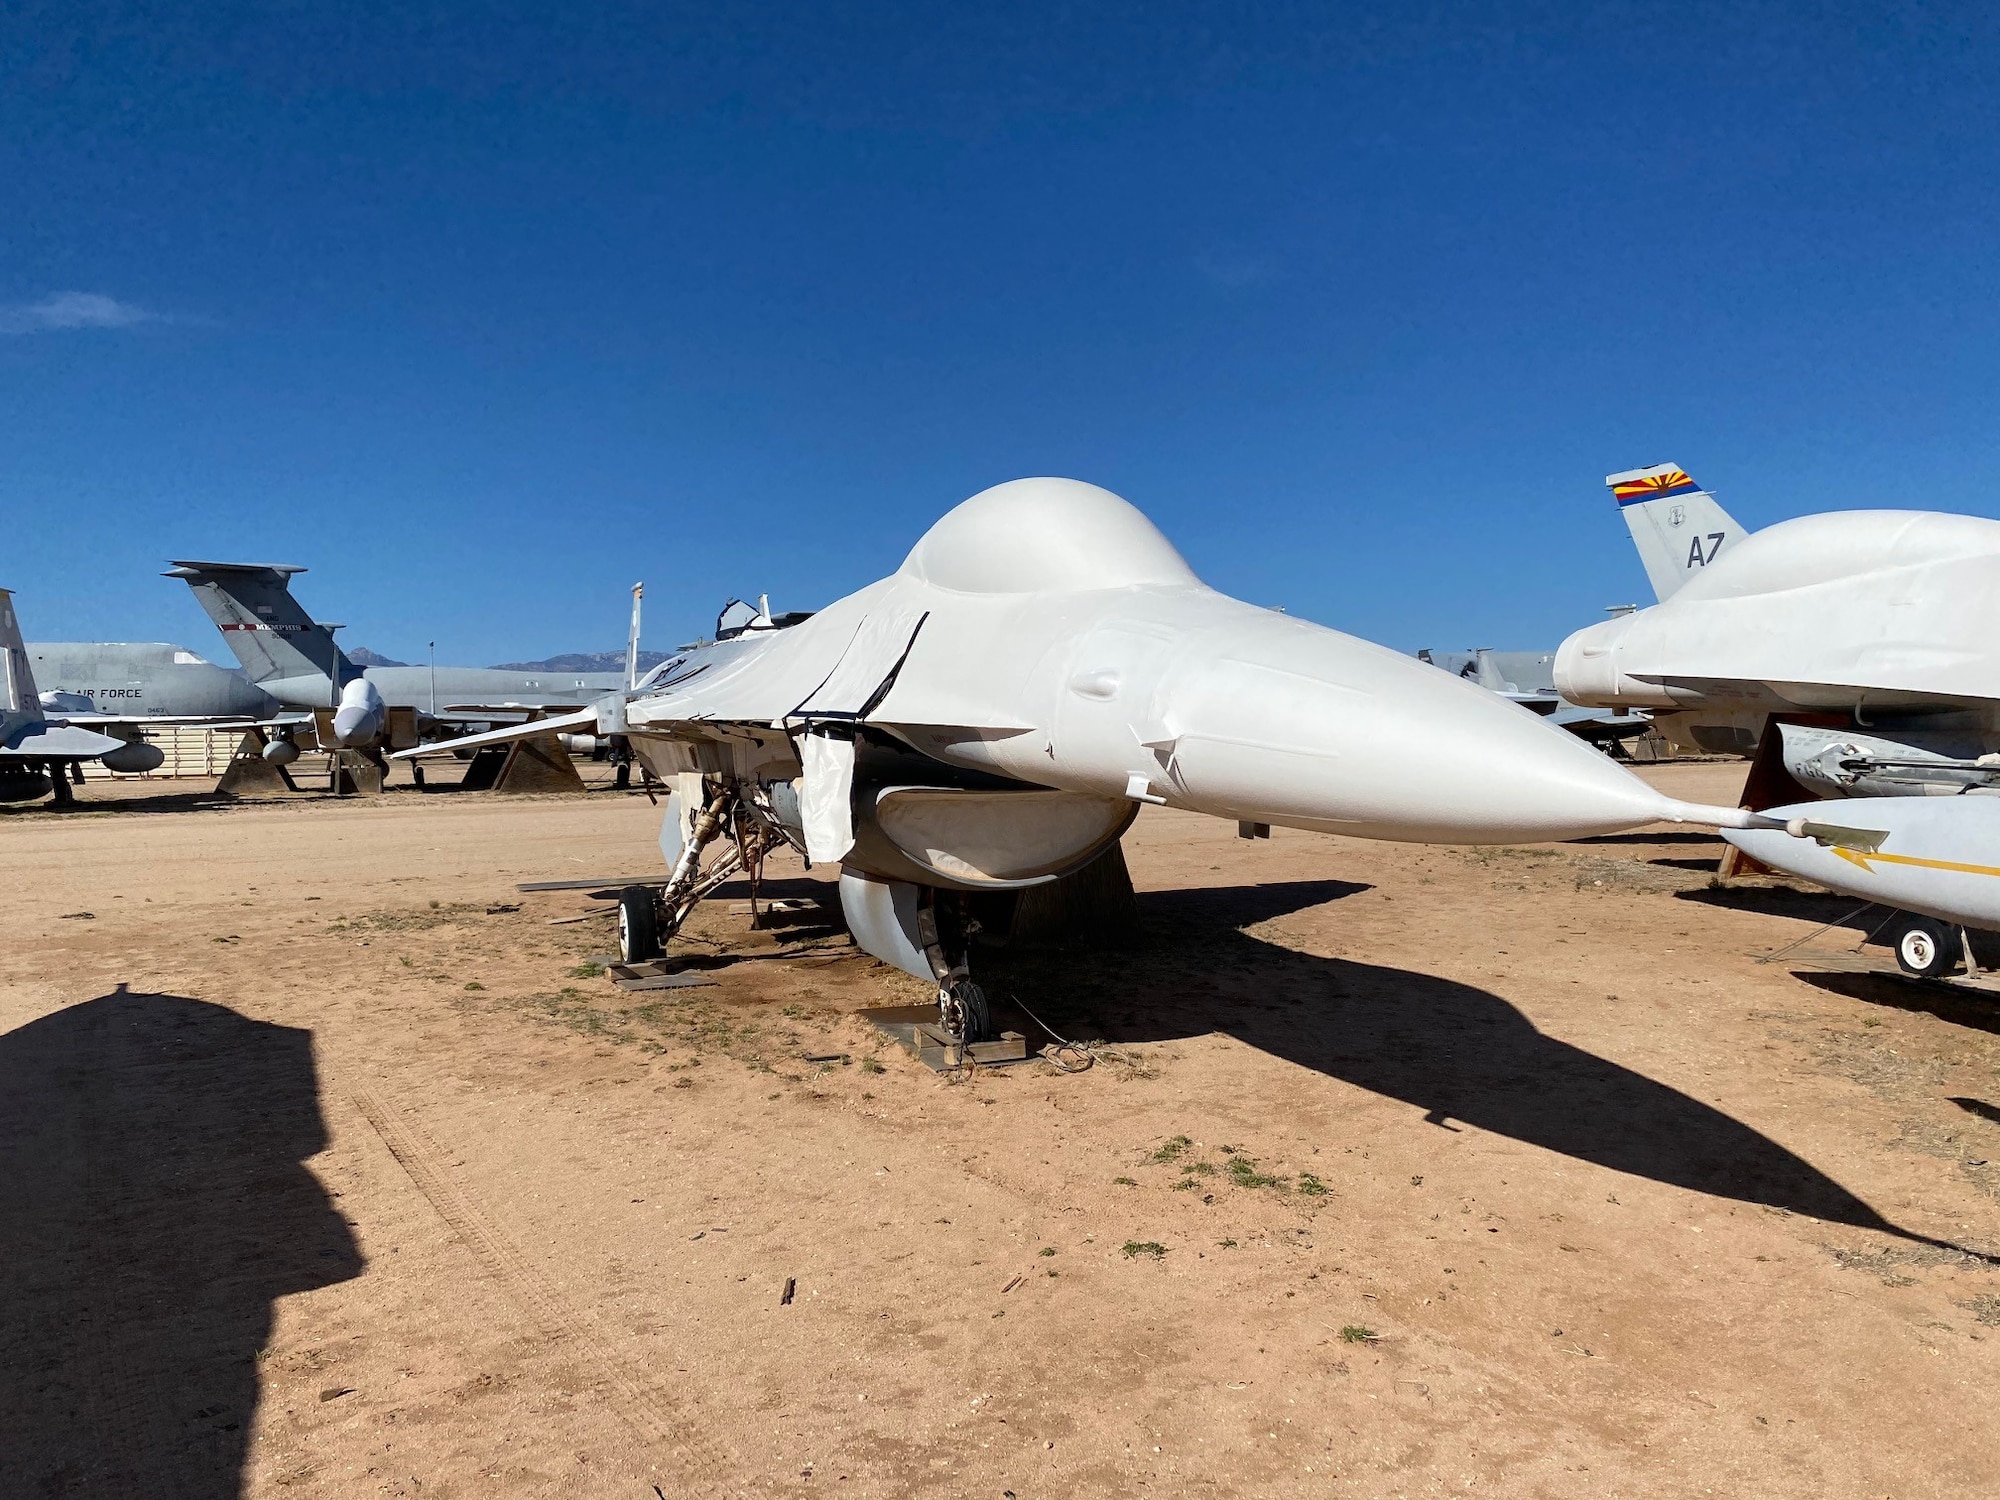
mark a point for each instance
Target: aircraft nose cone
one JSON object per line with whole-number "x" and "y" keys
{"x": 359, "y": 719}
{"x": 1292, "y": 723}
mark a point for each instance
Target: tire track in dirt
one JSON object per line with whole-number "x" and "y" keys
{"x": 655, "y": 1418}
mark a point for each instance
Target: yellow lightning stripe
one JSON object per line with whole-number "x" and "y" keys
{"x": 1865, "y": 860}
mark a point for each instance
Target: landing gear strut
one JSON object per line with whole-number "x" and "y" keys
{"x": 963, "y": 1014}
{"x": 649, "y": 918}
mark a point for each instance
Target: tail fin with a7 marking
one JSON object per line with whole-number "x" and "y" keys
{"x": 1676, "y": 525}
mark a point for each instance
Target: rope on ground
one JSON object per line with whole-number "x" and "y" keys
{"x": 1773, "y": 957}
{"x": 1054, "y": 1054}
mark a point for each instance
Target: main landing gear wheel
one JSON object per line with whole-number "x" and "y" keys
{"x": 964, "y": 1013}
{"x": 638, "y": 925}
{"x": 1927, "y": 948}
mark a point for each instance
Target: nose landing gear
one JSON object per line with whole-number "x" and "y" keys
{"x": 963, "y": 1012}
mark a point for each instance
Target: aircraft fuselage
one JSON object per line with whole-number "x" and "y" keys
{"x": 146, "y": 679}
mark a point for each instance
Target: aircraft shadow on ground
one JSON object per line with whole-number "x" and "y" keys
{"x": 1458, "y": 1053}
{"x": 153, "y": 1204}
{"x": 1676, "y": 837}
{"x": 86, "y": 805}
{"x": 1784, "y": 901}
{"x": 1956, "y": 1007}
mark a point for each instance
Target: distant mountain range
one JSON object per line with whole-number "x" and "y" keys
{"x": 585, "y": 661}
{"x": 572, "y": 661}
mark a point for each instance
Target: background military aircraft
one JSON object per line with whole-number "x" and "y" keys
{"x": 294, "y": 659}
{"x": 287, "y": 654}
{"x": 1865, "y": 639}
{"x": 134, "y": 682}
{"x": 1528, "y": 678}
{"x": 38, "y": 750}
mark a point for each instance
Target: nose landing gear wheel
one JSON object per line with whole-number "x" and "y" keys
{"x": 1927, "y": 948}
{"x": 638, "y": 925}
{"x": 964, "y": 1013}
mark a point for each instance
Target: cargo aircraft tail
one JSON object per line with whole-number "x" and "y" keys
{"x": 270, "y": 632}
{"x": 1676, "y": 525}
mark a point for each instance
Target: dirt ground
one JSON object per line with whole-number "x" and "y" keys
{"x": 328, "y": 1166}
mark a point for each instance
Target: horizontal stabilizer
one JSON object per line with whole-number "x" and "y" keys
{"x": 60, "y": 742}
{"x": 184, "y": 569}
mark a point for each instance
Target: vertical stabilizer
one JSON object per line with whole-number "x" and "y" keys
{"x": 632, "y": 642}
{"x": 1486, "y": 672}
{"x": 271, "y": 634}
{"x": 1676, "y": 525}
{"x": 19, "y": 703}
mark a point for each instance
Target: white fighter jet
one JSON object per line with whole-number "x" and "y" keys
{"x": 1867, "y": 637}
{"x": 992, "y": 716}
{"x": 1854, "y": 653}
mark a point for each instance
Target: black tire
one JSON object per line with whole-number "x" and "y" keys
{"x": 622, "y": 777}
{"x": 969, "y": 1000}
{"x": 638, "y": 925}
{"x": 1927, "y": 948}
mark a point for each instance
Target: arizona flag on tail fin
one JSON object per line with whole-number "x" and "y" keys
{"x": 1675, "y": 523}
{"x": 1638, "y": 485}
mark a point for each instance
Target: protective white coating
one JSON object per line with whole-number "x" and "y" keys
{"x": 1038, "y": 536}
{"x": 1851, "y": 608}
{"x": 1938, "y": 855}
{"x": 1063, "y": 642}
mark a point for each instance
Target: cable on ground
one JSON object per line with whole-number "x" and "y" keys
{"x": 1054, "y": 1054}
{"x": 1867, "y": 937}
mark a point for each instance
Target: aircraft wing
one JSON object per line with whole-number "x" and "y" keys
{"x": 186, "y": 721}
{"x": 582, "y": 720}
{"x": 836, "y": 667}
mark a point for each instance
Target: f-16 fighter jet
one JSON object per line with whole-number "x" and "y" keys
{"x": 992, "y": 716}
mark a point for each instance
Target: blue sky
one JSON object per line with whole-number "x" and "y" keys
{"x": 483, "y": 312}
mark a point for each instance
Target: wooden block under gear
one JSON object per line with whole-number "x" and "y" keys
{"x": 248, "y": 774}
{"x": 360, "y": 776}
{"x": 538, "y": 765}
{"x": 937, "y": 1051}
{"x": 915, "y": 1027}
{"x": 667, "y": 982}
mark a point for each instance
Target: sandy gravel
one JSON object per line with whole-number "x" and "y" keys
{"x": 327, "y": 1168}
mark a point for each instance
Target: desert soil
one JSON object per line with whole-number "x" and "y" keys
{"x": 329, "y": 1166}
